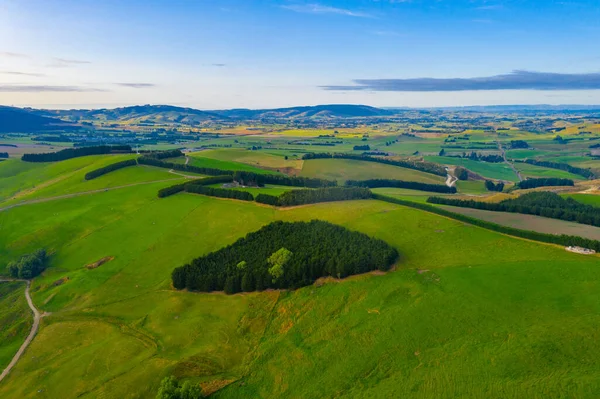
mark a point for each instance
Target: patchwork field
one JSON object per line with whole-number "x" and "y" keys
{"x": 466, "y": 312}
{"x": 349, "y": 169}
{"x": 531, "y": 222}
{"x": 260, "y": 159}
{"x": 496, "y": 171}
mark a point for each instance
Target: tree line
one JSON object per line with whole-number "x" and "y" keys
{"x": 171, "y": 388}
{"x": 588, "y": 174}
{"x": 167, "y": 191}
{"x": 256, "y": 179}
{"x": 29, "y": 266}
{"x": 3, "y": 154}
{"x": 427, "y": 167}
{"x": 242, "y": 177}
{"x": 491, "y": 186}
{"x": 562, "y": 239}
{"x": 544, "y": 182}
{"x": 543, "y": 203}
{"x": 109, "y": 168}
{"x": 285, "y": 255}
{"x": 219, "y": 192}
{"x": 410, "y": 185}
{"x": 69, "y": 153}
{"x": 165, "y": 154}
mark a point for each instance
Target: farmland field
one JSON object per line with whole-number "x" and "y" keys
{"x": 260, "y": 159}
{"x": 349, "y": 169}
{"x": 497, "y": 171}
{"x": 531, "y": 222}
{"x": 153, "y": 331}
{"x": 198, "y": 159}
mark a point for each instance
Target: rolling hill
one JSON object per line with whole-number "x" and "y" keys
{"x": 18, "y": 120}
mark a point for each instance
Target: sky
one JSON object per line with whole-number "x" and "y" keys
{"x": 215, "y": 54}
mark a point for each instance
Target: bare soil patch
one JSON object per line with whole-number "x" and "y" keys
{"x": 99, "y": 263}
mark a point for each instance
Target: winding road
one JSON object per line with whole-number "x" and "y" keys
{"x": 34, "y": 328}
{"x": 507, "y": 162}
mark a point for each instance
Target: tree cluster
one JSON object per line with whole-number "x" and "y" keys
{"x": 165, "y": 154}
{"x": 562, "y": 239}
{"x": 110, "y": 168}
{"x": 29, "y": 266}
{"x": 3, "y": 154}
{"x": 69, "y": 153}
{"x": 410, "y": 185}
{"x": 544, "y": 182}
{"x": 562, "y": 166}
{"x": 219, "y": 192}
{"x": 427, "y": 167}
{"x": 491, "y": 186}
{"x": 490, "y": 158}
{"x": 461, "y": 173}
{"x": 542, "y": 203}
{"x": 170, "y": 388}
{"x": 518, "y": 144}
{"x": 365, "y": 147}
{"x": 285, "y": 255}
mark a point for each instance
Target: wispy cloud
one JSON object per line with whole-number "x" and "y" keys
{"x": 43, "y": 88}
{"x": 516, "y": 80}
{"x": 315, "y": 8}
{"x": 219, "y": 65}
{"x": 490, "y": 7}
{"x": 66, "y": 62}
{"x": 12, "y": 55}
{"x": 137, "y": 85}
{"x": 18, "y": 73}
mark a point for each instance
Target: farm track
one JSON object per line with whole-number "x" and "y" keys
{"x": 451, "y": 180}
{"x": 512, "y": 166}
{"x": 40, "y": 200}
{"x": 34, "y": 328}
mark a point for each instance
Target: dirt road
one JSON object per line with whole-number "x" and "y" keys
{"x": 507, "y": 162}
{"x": 36, "y": 201}
{"x": 34, "y": 328}
{"x": 451, "y": 180}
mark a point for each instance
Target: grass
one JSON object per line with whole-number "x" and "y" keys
{"x": 15, "y": 318}
{"x": 534, "y": 171}
{"x": 349, "y": 169}
{"x": 22, "y": 181}
{"x": 587, "y": 199}
{"x": 487, "y": 315}
{"x": 198, "y": 159}
{"x": 531, "y": 222}
{"x": 267, "y": 189}
{"x": 496, "y": 171}
{"x": 259, "y": 159}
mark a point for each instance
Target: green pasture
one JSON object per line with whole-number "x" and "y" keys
{"x": 198, "y": 159}
{"x": 496, "y": 171}
{"x": 15, "y": 318}
{"x": 350, "y": 169}
{"x": 467, "y": 312}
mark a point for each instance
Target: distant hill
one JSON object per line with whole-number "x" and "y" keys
{"x": 308, "y": 112}
{"x": 18, "y": 120}
{"x": 139, "y": 114}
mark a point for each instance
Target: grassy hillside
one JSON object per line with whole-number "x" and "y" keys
{"x": 260, "y": 159}
{"x": 349, "y": 169}
{"x": 519, "y": 319}
{"x": 198, "y": 159}
{"x": 498, "y": 171}
{"x": 15, "y": 318}
{"x": 23, "y": 181}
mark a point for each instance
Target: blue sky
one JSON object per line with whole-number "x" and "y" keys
{"x": 266, "y": 53}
